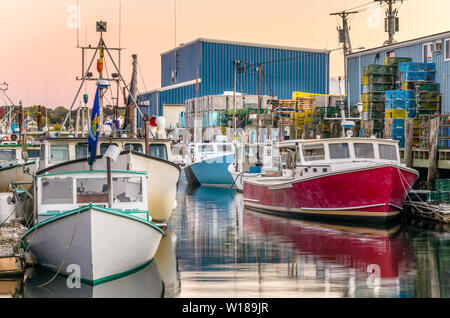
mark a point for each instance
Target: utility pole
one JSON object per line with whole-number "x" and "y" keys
{"x": 392, "y": 21}
{"x": 344, "y": 38}
{"x": 259, "y": 103}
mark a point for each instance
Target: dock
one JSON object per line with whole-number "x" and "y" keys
{"x": 11, "y": 253}
{"x": 439, "y": 213}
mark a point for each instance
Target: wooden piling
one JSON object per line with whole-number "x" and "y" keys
{"x": 432, "y": 159}
{"x": 409, "y": 135}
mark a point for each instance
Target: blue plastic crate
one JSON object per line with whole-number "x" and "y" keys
{"x": 411, "y": 113}
{"x": 416, "y": 67}
{"x": 414, "y": 76}
{"x": 398, "y": 124}
{"x": 400, "y": 94}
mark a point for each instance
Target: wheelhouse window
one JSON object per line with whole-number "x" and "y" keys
{"x": 158, "y": 151}
{"x": 205, "y": 148}
{"x": 387, "y": 152}
{"x": 59, "y": 153}
{"x": 92, "y": 190}
{"x": 33, "y": 153}
{"x": 339, "y": 151}
{"x": 81, "y": 151}
{"x": 314, "y": 152}
{"x": 7, "y": 154}
{"x": 57, "y": 191}
{"x": 42, "y": 152}
{"x": 134, "y": 147}
{"x": 127, "y": 189}
{"x": 364, "y": 151}
{"x": 105, "y": 146}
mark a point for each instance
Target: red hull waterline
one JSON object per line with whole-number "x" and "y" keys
{"x": 368, "y": 195}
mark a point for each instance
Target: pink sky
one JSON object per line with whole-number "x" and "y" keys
{"x": 37, "y": 41}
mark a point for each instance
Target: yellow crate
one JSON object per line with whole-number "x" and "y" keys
{"x": 389, "y": 114}
{"x": 365, "y": 80}
{"x": 365, "y": 98}
{"x": 400, "y": 113}
{"x": 305, "y": 94}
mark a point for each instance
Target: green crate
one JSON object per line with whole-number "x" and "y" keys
{"x": 376, "y": 87}
{"x": 428, "y": 96}
{"x": 428, "y": 105}
{"x": 443, "y": 184}
{"x": 377, "y": 69}
{"x": 380, "y": 79}
{"x": 378, "y": 124}
{"x": 428, "y": 87}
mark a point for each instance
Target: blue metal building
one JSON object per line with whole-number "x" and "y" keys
{"x": 212, "y": 63}
{"x": 434, "y": 48}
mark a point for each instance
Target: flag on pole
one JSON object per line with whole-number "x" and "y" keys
{"x": 93, "y": 128}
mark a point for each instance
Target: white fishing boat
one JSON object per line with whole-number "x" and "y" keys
{"x": 14, "y": 167}
{"x": 70, "y": 154}
{"x": 96, "y": 223}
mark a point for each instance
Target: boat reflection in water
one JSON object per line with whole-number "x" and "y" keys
{"x": 350, "y": 261}
{"x": 157, "y": 280}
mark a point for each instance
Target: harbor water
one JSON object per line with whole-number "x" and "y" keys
{"x": 216, "y": 248}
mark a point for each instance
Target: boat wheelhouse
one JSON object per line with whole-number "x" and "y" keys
{"x": 77, "y": 224}
{"x": 58, "y": 150}
{"x": 349, "y": 178}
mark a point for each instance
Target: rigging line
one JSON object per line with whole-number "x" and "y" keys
{"x": 142, "y": 76}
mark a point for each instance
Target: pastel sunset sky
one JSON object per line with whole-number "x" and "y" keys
{"x": 38, "y": 38}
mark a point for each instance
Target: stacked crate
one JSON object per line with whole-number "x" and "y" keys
{"x": 399, "y": 105}
{"x": 377, "y": 79}
{"x": 442, "y": 193}
{"x": 421, "y": 78}
{"x": 394, "y": 63}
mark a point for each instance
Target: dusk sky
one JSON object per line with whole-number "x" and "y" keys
{"x": 39, "y": 37}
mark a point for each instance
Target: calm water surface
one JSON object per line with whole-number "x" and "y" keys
{"x": 215, "y": 248}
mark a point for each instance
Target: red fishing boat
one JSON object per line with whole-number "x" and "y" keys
{"x": 357, "y": 179}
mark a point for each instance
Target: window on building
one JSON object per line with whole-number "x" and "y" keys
{"x": 447, "y": 49}
{"x": 364, "y": 151}
{"x": 314, "y": 152}
{"x": 339, "y": 151}
{"x": 427, "y": 53}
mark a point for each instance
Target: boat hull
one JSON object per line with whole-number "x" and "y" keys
{"x": 211, "y": 172}
{"x": 101, "y": 254}
{"x": 239, "y": 177}
{"x": 161, "y": 182}
{"x": 373, "y": 195}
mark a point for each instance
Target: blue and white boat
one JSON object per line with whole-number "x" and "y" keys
{"x": 210, "y": 164}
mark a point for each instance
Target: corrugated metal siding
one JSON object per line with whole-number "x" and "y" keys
{"x": 415, "y": 51}
{"x": 189, "y": 63}
{"x": 285, "y": 70}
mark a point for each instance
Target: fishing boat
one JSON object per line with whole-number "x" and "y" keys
{"x": 253, "y": 160}
{"x": 210, "y": 163}
{"x": 358, "y": 179}
{"x": 14, "y": 167}
{"x": 94, "y": 219}
{"x": 70, "y": 154}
